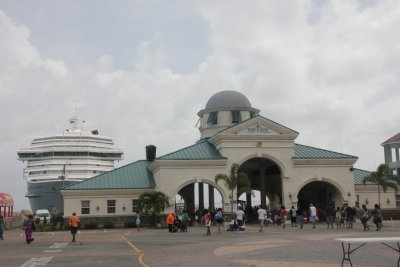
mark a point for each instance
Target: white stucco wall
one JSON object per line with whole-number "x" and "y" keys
{"x": 98, "y": 198}
{"x": 368, "y": 195}
{"x": 171, "y": 179}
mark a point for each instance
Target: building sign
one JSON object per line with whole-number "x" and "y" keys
{"x": 288, "y": 205}
{"x": 227, "y": 207}
{"x": 257, "y": 129}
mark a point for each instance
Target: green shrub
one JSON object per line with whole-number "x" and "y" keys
{"x": 50, "y": 227}
{"x": 45, "y": 227}
{"x": 56, "y": 217}
{"x": 40, "y": 227}
{"x": 391, "y": 214}
{"x": 109, "y": 225}
{"x": 129, "y": 225}
{"x": 91, "y": 225}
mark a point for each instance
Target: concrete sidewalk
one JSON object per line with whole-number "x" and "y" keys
{"x": 150, "y": 247}
{"x": 275, "y": 247}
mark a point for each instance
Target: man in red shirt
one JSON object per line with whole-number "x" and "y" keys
{"x": 74, "y": 224}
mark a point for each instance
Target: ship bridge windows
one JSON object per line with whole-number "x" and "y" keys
{"x": 72, "y": 138}
{"x": 26, "y": 155}
{"x": 70, "y": 154}
{"x": 37, "y": 172}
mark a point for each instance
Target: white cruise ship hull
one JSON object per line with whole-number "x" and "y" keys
{"x": 60, "y": 160}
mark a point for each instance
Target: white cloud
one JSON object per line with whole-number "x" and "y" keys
{"x": 319, "y": 77}
{"x": 329, "y": 71}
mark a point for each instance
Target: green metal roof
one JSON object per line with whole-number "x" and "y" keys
{"x": 134, "y": 175}
{"x": 308, "y": 152}
{"x": 359, "y": 175}
{"x": 200, "y": 151}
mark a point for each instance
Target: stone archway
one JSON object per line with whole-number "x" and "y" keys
{"x": 266, "y": 177}
{"x": 321, "y": 194}
{"x": 200, "y": 195}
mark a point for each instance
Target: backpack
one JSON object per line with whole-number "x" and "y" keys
{"x": 219, "y": 217}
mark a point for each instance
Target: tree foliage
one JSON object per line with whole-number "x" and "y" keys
{"x": 153, "y": 203}
{"x": 383, "y": 178}
{"x": 236, "y": 180}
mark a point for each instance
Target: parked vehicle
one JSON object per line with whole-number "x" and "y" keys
{"x": 42, "y": 216}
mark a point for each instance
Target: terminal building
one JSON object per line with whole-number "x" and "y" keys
{"x": 392, "y": 151}
{"x": 282, "y": 171}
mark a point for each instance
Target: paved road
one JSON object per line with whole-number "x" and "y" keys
{"x": 149, "y": 247}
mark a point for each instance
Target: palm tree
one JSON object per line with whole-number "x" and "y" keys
{"x": 235, "y": 180}
{"x": 153, "y": 202}
{"x": 383, "y": 177}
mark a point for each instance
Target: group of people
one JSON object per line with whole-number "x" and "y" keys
{"x": 375, "y": 215}
{"x": 29, "y": 226}
{"x": 174, "y": 222}
{"x": 343, "y": 216}
{"x": 281, "y": 215}
{"x": 218, "y": 218}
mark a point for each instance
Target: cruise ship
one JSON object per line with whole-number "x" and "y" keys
{"x": 56, "y": 161}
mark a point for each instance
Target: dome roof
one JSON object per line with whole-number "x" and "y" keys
{"x": 228, "y": 99}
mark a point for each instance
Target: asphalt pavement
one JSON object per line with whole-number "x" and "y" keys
{"x": 275, "y": 246}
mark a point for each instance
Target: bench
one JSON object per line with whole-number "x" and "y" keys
{"x": 365, "y": 240}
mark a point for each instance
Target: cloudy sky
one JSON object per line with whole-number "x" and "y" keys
{"x": 139, "y": 71}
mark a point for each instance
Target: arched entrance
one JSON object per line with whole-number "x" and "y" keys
{"x": 198, "y": 196}
{"x": 321, "y": 193}
{"x": 265, "y": 176}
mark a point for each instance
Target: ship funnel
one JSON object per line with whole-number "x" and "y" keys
{"x": 151, "y": 152}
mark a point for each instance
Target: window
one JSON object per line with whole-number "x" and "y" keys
{"x": 397, "y": 201}
{"x": 110, "y": 206}
{"x": 236, "y": 118}
{"x": 85, "y": 207}
{"x": 252, "y": 114}
{"x": 357, "y": 201}
{"x": 135, "y": 205}
{"x": 212, "y": 117}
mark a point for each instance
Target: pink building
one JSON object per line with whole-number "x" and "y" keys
{"x": 6, "y": 208}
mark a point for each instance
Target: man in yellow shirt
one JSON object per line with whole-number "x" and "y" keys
{"x": 74, "y": 224}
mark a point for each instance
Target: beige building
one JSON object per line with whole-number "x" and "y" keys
{"x": 231, "y": 131}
